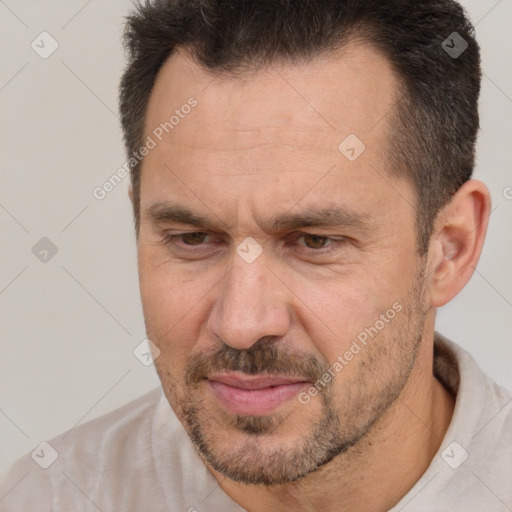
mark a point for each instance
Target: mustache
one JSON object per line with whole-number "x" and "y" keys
{"x": 260, "y": 358}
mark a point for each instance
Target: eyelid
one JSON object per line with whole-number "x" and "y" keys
{"x": 300, "y": 234}
{"x": 169, "y": 237}
{"x": 335, "y": 240}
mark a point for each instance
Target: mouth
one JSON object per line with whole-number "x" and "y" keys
{"x": 254, "y": 395}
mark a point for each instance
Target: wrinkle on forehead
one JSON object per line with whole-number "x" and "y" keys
{"x": 271, "y": 139}
{"x": 337, "y": 96}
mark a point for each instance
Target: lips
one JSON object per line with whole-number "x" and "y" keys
{"x": 252, "y": 394}
{"x": 254, "y": 382}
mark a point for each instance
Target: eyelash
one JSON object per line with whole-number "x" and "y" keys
{"x": 334, "y": 241}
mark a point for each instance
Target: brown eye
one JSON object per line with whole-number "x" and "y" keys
{"x": 315, "y": 241}
{"x": 193, "y": 238}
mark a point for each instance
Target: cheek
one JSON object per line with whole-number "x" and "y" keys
{"x": 173, "y": 305}
{"x": 334, "y": 312}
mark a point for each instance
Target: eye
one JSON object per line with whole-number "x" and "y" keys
{"x": 196, "y": 238}
{"x": 312, "y": 241}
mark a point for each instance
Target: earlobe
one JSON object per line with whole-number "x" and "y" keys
{"x": 457, "y": 241}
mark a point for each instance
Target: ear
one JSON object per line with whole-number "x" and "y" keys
{"x": 456, "y": 244}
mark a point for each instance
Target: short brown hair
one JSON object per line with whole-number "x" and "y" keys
{"x": 435, "y": 122}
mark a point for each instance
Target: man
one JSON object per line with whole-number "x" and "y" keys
{"x": 303, "y": 205}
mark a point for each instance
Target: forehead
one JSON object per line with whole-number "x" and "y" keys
{"x": 349, "y": 91}
{"x": 272, "y": 135}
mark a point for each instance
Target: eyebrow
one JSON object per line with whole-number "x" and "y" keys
{"x": 321, "y": 217}
{"x": 161, "y": 213}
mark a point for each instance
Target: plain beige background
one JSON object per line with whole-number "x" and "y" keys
{"x": 69, "y": 325}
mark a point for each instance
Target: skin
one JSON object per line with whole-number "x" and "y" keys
{"x": 257, "y": 147}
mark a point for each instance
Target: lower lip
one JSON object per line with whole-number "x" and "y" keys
{"x": 255, "y": 402}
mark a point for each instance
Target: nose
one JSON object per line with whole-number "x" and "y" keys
{"x": 251, "y": 304}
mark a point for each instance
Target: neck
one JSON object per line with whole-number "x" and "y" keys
{"x": 380, "y": 469}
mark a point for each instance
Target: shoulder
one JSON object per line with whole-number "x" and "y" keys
{"x": 483, "y": 409}
{"x": 85, "y": 456}
{"x": 472, "y": 467}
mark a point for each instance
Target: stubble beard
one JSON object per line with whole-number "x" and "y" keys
{"x": 256, "y": 449}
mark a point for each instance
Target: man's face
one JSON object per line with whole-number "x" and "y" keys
{"x": 292, "y": 262}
